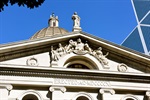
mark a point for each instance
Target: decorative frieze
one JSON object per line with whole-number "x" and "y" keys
{"x": 75, "y": 82}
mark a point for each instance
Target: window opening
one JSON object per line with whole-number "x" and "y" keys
{"x": 30, "y": 97}
{"x": 82, "y": 98}
{"x": 129, "y": 99}
{"x": 54, "y": 24}
{"x": 78, "y": 66}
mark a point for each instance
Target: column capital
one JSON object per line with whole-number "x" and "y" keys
{"x": 58, "y": 88}
{"x": 7, "y": 86}
{"x": 103, "y": 91}
{"x": 148, "y": 93}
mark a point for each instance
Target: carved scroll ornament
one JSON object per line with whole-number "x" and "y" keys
{"x": 122, "y": 67}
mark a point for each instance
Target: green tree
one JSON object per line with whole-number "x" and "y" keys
{"x": 29, "y": 3}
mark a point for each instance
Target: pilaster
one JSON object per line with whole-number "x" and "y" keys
{"x": 4, "y": 91}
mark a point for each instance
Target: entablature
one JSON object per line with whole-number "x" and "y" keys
{"x": 28, "y": 71}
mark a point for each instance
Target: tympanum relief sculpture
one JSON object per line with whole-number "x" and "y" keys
{"x": 79, "y": 48}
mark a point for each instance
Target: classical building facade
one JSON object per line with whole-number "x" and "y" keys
{"x": 139, "y": 38}
{"x": 59, "y": 65}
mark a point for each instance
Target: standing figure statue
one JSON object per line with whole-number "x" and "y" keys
{"x": 76, "y": 19}
{"x": 54, "y": 54}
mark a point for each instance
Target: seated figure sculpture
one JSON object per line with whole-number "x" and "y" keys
{"x": 71, "y": 46}
{"x": 99, "y": 54}
{"x": 79, "y": 45}
{"x": 61, "y": 50}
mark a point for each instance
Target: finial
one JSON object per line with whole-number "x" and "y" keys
{"x": 53, "y": 14}
{"x": 53, "y": 21}
{"x": 75, "y": 13}
{"x": 76, "y": 22}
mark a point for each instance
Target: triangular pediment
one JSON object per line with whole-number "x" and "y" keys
{"x": 93, "y": 52}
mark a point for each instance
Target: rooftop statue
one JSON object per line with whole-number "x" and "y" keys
{"x": 76, "y": 22}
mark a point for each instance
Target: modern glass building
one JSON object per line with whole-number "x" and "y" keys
{"x": 139, "y": 38}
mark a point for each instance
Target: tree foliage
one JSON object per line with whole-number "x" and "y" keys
{"x": 29, "y": 3}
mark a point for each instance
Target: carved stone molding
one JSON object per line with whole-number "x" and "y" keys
{"x": 59, "y": 72}
{"x": 9, "y": 87}
{"x": 32, "y": 61}
{"x": 122, "y": 67}
{"x": 111, "y": 91}
{"x": 60, "y": 88}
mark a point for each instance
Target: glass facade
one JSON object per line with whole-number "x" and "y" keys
{"x": 134, "y": 42}
{"x": 142, "y": 7}
{"x": 139, "y": 38}
{"x": 146, "y": 20}
{"x": 146, "y": 34}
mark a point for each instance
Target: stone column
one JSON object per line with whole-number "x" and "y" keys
{"x": 57, "y": 92}
{"x": 148, "y": 95}
{"x": 106, "y": 94}
{"x": 4, "y": 91}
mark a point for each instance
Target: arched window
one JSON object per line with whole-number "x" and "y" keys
{"x": 54, "y": 24}
{"x": 78, "y": 66}
{"x": 30, "y": 97}
{"x": 80, "y": 62}
{"x": 82, "y": 98}
{"x": 129, "y": 97}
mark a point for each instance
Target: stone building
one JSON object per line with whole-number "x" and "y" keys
{"x": 59, "y": 65}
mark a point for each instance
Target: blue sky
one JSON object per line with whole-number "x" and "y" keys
{"x": 112, "y": 20}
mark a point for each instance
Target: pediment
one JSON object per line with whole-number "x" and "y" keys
{"x": 74, "y": 49}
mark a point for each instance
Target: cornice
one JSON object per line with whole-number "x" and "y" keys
{"x": 71, "y": 73}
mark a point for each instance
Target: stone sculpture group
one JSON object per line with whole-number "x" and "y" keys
{"x": 80, "y": 48}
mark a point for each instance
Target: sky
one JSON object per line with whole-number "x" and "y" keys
{"x": 112, "y": 20}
